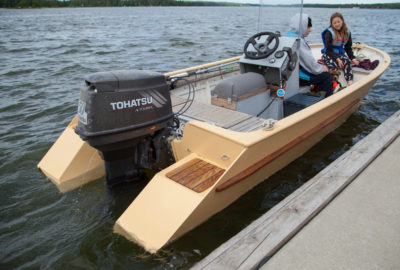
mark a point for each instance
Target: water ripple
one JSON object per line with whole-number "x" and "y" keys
{"x": 45, "y": 54}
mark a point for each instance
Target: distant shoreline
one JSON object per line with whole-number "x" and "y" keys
{"x": 366, "y": 6}
{"x": 144, "y": 3}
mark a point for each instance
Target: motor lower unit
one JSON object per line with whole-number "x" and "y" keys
{"x": 127, "y": 116}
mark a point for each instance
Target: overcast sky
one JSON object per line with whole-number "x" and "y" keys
{"x": 286, "y": 2}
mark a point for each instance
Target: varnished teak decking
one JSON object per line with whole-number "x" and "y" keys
{"x": 196, "y": 174}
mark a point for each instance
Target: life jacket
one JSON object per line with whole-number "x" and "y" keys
{"x": 337, "y": 42}
{"x": 304, "y": 74}
{"x": 291, "y": 34}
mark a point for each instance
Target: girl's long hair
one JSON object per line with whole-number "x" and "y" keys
{"x": 344, "y": 29}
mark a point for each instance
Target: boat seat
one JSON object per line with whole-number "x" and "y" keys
{"x": 216, "y": 115}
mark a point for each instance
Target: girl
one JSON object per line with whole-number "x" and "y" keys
{"x": 337, "y": 42}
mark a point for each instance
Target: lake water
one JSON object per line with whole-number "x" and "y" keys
{"x": 44, "y": 55}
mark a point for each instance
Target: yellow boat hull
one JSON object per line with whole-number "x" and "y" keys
{"x": 167, "y": 208}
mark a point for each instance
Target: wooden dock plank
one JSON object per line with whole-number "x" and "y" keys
{"x": 261, "y": 239}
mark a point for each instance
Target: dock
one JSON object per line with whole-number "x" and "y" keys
{"x": 345, "y": 217}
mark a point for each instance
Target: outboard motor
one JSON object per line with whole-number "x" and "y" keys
{"x": 127, "y": 116}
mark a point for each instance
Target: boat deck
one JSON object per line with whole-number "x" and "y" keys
{"x": 299, "y": 102}
{"x": 234, "y": 120}
{"x": 238, "y": 121}
{"x": 219, "y": 116}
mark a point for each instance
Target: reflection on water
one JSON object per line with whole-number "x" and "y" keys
{"x": 46, "y": 52}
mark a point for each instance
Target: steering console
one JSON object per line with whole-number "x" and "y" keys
{"x": 261, "y": 42}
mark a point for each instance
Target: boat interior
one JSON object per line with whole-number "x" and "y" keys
{"x": 252, "y": 109}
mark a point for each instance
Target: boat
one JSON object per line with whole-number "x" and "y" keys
{"x": 213, "y": 132}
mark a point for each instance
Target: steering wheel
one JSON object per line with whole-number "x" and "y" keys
{"x": 262, "y": 47}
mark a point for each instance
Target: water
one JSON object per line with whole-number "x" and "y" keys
{"x": 44, "y": 55}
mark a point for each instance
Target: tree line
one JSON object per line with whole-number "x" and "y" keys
{"x": 105, "y": 3}
{"x": 372, "y": 6}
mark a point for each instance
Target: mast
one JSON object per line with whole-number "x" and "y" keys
{"x": 301, "y": 19}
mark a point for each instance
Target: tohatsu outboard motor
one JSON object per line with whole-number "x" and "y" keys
{"x": 127, "y": 116}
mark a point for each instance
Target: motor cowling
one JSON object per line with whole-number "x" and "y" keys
{"x": 123, "y": 114}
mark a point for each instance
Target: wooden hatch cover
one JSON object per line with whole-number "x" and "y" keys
{"x": 196, "y": 174}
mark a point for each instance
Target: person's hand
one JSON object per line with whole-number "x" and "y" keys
{"x": 355, "y": 62}
{"x": 326, "y": 69}
{"x": 340, "y": 63}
